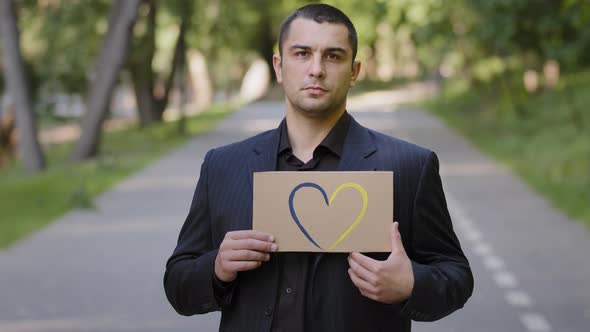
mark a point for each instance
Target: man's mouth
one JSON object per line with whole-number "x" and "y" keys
{"x": 315, "y": 88}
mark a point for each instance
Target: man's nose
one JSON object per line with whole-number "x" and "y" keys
{"x": 317, "y": 66}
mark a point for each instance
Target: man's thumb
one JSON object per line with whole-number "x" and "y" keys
{"x": 396, "y": 238}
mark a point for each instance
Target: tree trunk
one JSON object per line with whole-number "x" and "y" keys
{"x": 177, "y": 59}
{"x": 140, "y": 67}
{"x": 8, "y": 139}
{"x": 144, "y": 97}
{"x": 182, "y": 66}
{"x": 181, "y": 85}
{"x": 18, "y": 88}
{"x": 110, "y": 59}
{"x": 266, "y": 43}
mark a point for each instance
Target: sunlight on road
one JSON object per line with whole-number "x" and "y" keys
{"x": 471, "y": 169}
{"x": 408, "y": 94}
{"x": 259, "y": 125}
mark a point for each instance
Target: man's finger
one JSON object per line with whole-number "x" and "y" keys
{"x": 240, "y": 266}
{"x": 250, "y": 234}
{"x": 361, "y": 271}
{"x": 251, "y": 244}
{"x": 396, "y": 238}
{"x": 246, "y": 255}
{"x": 364, "y": 287}
{"x": 366, "y": 262}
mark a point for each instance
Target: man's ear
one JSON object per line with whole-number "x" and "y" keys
{"x": 277, "y": 65}
{"x": 356, "y": 69}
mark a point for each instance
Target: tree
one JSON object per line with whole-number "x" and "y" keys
{"x": 60, "y": 41}
{"x": 150, "y": 105}
{"x": 109, "y": 62}
{"x": 18, "y": 87}
{"x": 140, "y": 65}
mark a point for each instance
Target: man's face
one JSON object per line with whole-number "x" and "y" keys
{"x": 316, "y": 68}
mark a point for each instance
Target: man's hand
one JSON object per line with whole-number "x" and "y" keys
{"x": 389, "y": 281}
{"x": 242, "y": 251}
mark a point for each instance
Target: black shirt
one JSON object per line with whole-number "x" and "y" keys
{"x": 296, "y": 269}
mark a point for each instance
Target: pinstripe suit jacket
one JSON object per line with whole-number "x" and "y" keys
{"x": 222, "y": 202}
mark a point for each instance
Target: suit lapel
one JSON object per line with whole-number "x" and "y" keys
{"x": 358, "y": 149}
{"x": 264, "y": 157}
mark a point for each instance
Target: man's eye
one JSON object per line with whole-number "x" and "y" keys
{"x": 333, "y": 57}
{"x": 301, "y": 53}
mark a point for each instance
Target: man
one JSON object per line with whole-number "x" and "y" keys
{"x": 221, "y": 263}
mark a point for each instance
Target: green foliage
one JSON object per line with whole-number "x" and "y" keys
{"x": 365, "y": 86}
{"x": 366, "y": 16}
{"x": 30, "y": 202}
{"x": 547, "y": 141}
{"x": 61, "y": 42}
{"x": 233, "y": 33}
{"x": 480, "y": 39}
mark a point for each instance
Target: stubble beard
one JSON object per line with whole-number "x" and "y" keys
{"x": 319, "y": 110}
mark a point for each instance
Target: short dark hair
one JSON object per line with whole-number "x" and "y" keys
{"x": 320, "y": 13}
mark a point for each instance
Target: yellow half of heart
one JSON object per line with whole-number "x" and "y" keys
{"x": 361, "y": 215}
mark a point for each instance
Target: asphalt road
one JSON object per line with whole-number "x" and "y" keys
{"x": 101, "y": 270}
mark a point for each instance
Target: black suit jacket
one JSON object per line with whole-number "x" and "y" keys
{"x": 222, "y": 202}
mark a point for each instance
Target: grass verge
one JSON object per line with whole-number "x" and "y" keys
{"x": 27, "y": 202}
{"x": 544, "y": 137}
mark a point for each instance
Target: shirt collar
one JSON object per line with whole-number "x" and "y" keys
{"x": 334, "y": 141}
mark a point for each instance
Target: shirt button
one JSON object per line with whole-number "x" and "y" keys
{"x": 288, "y": 290}
{"x": 268, "y": 310}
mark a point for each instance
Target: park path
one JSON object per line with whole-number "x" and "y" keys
{"x": 101, "y": 270}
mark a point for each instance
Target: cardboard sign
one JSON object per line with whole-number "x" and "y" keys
{"x": 325, "y": 211}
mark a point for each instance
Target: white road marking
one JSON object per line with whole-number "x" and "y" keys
{"x": 505, "y": 279}
{"x": 518, "y": 298}
{"x": 532, "y": 321}
{"x": 482, "y": 249}
{"x": 493, "y": 263}
{"x": 535, "y": 322}
{"x": 461, "y": 220}
{"x": 473, "y": 235}
{"x": 457, "y": 211}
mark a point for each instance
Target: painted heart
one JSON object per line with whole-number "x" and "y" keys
{"x": 356, "y": 222}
